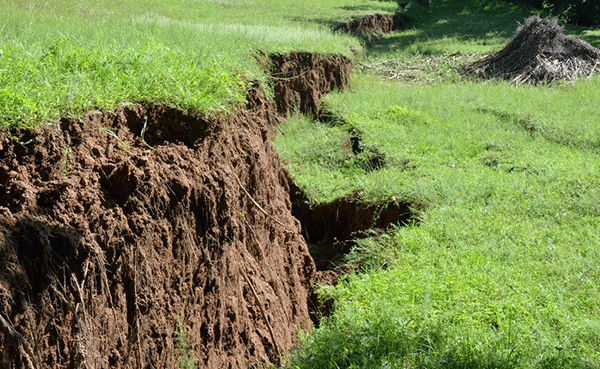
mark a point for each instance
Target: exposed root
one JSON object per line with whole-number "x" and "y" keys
{"x": 17, "y": 340}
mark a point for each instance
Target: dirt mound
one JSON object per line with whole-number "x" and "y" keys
{"x": 300, "y": 79}
{"x": 539, "y": 52}
{"x": 107, "y": 234}
{"x": 376, "y": 23}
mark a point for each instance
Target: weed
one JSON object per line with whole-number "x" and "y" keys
{"x": 184, "y": 347}
{"x": 122, "y": 143}
{"x": 66, "y": 161}
{"x": 144, "y": 128}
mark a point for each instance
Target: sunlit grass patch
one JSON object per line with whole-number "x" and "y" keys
{"x": 64, "y": 77}
{"x": 265, "y": 37}
{"x": 499, "y": 271}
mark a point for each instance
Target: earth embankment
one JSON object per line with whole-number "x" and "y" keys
{"x": 114, "y": 224}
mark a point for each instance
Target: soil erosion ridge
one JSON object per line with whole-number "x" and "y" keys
{"x": 115, "y": 224}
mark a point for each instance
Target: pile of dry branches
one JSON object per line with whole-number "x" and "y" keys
{"x": 539, "y": 52}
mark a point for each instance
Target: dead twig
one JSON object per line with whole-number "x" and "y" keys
{"x": 264, "y": 314}
{"x": 256, "y": 203}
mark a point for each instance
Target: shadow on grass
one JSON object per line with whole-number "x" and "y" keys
{"x": 353, "y": 12}
{"x": 471, "y": 22}
{"x": 478, "y": 21}
{"x": 362, "y": 7}
{"x": 593, "y": 40}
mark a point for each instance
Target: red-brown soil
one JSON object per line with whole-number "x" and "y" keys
{"x": 376, "y": 23}
{"x": 300, "y": 79}
{"x": 105, "y": 240}
{"x": 114, "y": 224}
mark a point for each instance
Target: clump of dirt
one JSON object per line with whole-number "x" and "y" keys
{"x": 376, "y": 23}
{"x": 114, "y": 224}
{"x": 539, "y": 52}
{"x": 300, "y": 79}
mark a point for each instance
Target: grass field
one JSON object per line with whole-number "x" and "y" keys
{"x": 65, "y": 57}
{"x": 500, "y": 270}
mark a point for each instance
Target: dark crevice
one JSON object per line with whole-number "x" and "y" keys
{"x": 330, "y": 117}
{"x": 368, "y": 158}
{"x": 330, "y": 229}
{"x": 375, "y": 23}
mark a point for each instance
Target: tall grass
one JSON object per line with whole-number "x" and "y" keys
{"x": 60, "y": 58}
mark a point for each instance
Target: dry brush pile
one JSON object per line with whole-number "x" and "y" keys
{"x": 539, "y": 52}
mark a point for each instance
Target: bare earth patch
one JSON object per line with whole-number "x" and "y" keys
{"x": 105, "y": 239}
{"x": 376, "y": 23}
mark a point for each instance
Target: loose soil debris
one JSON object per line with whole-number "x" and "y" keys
{"x": 538, "y": 53}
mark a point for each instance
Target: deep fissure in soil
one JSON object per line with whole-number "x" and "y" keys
{"x": 331, "y": 228}
{"x": 113, "y": 224}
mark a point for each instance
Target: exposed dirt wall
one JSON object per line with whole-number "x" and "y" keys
{"x": 376, "y": 23}
{"x": 115, "y": 224}
{"x": 300, "y": 79}
{"x": 104, "y": 240}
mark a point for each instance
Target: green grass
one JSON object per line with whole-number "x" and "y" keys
{"x": 500, "y": 271}
{"x": 184, "y": 347}
{"x": 67, "y": 57}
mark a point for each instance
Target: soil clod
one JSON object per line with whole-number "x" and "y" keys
{"x": 300, "y": 79}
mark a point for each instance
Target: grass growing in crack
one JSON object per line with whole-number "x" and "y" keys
{"x": 66, "y": 161}
{"x": 122, "y": 143}
{"x": 144, "y": 128}
{"x": 184, "y": 347}
{"x": 500, "y": 271}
